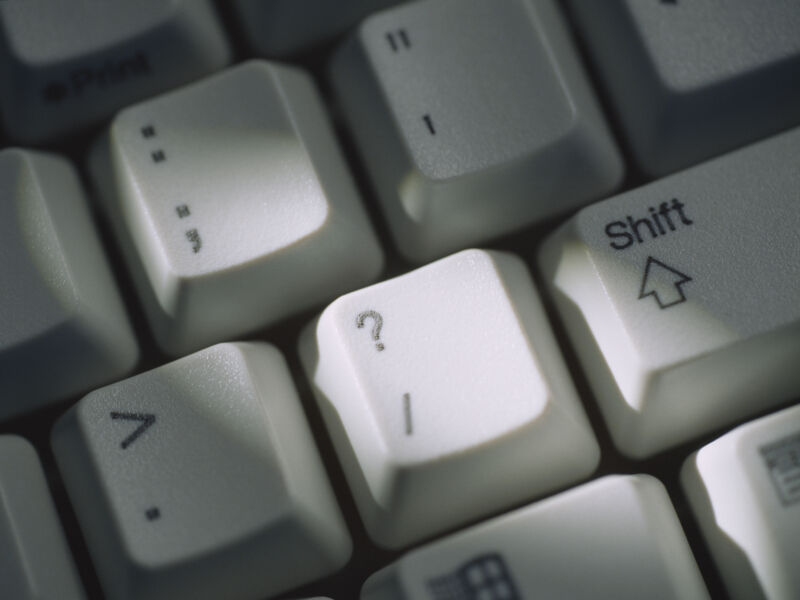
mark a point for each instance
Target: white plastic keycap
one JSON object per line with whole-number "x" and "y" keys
{"x": 745, "y": 491}
{"x": 281, "y": 28}
{"x": 63, "y": 328}
{"x": 474, "y": 118}
{"x": 692, "y": 79}
{"x": 69, "y": 65}
{"x": 35, "y": 563}
{"x": 233, "y": 205}
{"x": 200, "y": 479}
{"x": 616, "y": 537}
{"x": 680, "y": 297}
{"x": 446, "y": 396}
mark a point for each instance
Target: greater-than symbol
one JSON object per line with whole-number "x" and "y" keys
{"x": 145, "y": 421}
{"x": 663, "y": 282}
{"x": 407, "y": 413}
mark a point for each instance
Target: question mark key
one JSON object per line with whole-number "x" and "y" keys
{"x": 445, "y": 396}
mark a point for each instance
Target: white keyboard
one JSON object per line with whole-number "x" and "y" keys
{"x": 383, "y": 300}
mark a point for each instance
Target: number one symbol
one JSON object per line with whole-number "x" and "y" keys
{"x": 146, "y": 420}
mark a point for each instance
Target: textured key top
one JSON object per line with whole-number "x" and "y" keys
{"x": 617, "y": 537}
{"x": 474, "y": 118}
{"x": 233, "y": 205}
{"x": 35, "y": 563}
{"x": 63, "y": 329}
{"x": 72, "y": 64}
{"x": 276, "y": 28}
{"x": 693, "y": 79}
{"x": 445, "y": 395}
{"x": 200, "y": 479}
{"x": 745, "y": 491}
{"x": 681, "y": 297}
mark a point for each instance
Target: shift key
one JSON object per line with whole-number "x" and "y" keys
{"x": 682, "y": 297}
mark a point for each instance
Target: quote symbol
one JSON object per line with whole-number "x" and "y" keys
{"x": 376, "y": 327}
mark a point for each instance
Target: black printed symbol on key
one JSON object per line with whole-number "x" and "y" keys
{"x": 145, "y": 419}
{"x": 54, "y": 92}
{"x": 485, "y": 576}
{"x": 398, "y": 40}
{"x": 664, "y": 283}
{"x": 183, "y": 211}
{"x": 158, "y": 156}
{"x": 194, "y": 237}
{"x": 782, "y": 459}
{"x": 152, "y": 513}
{"x": 429, "y": 123}
{"x": 148, "y": 131}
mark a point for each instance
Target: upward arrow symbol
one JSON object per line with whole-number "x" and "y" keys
{"x": 663, "y": 283}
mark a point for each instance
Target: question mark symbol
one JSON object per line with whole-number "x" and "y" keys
{"x": 376, "y": 328}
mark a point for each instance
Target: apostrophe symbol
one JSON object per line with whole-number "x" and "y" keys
{"x": 376, "y": 327}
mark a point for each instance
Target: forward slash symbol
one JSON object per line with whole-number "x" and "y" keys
{"x": 663, "y": 282}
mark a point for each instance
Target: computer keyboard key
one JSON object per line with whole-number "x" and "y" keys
{"x": 691, "y": 80}
{"x": 473, "y": 118}
{"x": 616, "y": 537}
{"x": 200, "y": 479}
{"x": 446, "y": 396}
{"x": 744, "y": 488}
{"x": 233, "y": 205}
{"x": 71, "y": 64}
{"x": 63, "y": 328}
{"x": 282, "y": 28}
{"x": 35, "y": 562}
{"x": 681, "y": 297}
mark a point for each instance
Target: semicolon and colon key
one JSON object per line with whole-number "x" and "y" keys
{"x": 680, "y": 297}
{"x": 445, "y": 396}
{"x": 233, "y": 205}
